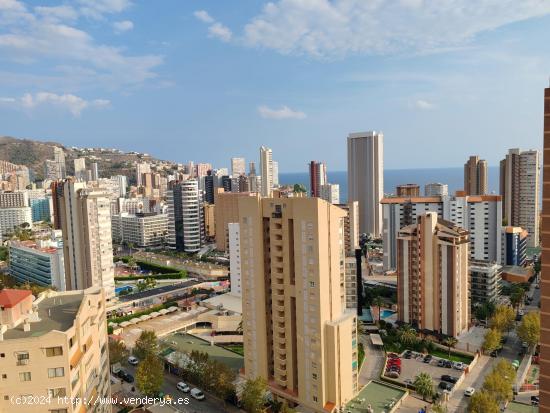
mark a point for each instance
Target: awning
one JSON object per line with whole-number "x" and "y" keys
{"x": 376, "y": 340}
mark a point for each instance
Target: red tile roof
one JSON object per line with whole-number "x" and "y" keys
{"x": 10, "y": 298}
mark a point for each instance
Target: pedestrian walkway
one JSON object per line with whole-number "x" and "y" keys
{"x": 373, "y": 364}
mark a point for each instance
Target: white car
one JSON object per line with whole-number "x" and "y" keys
{"x": 183, "y": 387}
{"x": 133, "y": 360}
{"x": 458, "y": 365}
{"x": 469, "y": 392}
{"x": 197, "y": 394}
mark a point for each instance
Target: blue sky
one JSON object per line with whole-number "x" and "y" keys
{"x": 208, "y": 80}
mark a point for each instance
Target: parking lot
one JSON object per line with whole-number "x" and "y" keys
{"x": 411, "y": 367}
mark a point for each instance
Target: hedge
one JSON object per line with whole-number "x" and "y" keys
{"x": 169, "y": 276}
{"x": 145, "y": 265}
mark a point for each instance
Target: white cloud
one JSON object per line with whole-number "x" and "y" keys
{"x": 56, "y": 13}
{"x": 284, "y": 112}
{"x": 66, "y": 102}
{"x": 220, "y": 31}
{"x": 123, "y": 26}
{"x": 325, "y": 28}
{"x": 423, "y": 105}
{"x": 46, "y": 33}
{"x": 203, "y": 16}
{"x": 96, "y": 9}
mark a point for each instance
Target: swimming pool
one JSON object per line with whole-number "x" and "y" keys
{"x": 367, "y": 316}
{"x": 386, "y": 313}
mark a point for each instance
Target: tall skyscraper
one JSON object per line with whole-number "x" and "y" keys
{"x": 238, "y": 167}
{"x": 317, "y": 177}
{"x": 59, "y": 159}
{"x": 95, "y": 171}
{"x": 185, "y": 217}
{"x": 209, "y": 187}
{"x": 141, "y": 168}
{"x": 266, "y": 168}
{"x": 544, "y": 386}
{"x": 298, "y": 334}
{"x": 475, "y": 176}
{"x": 432, "y": 276}
{"x": 366, "y": 178}
{"x": 520, "y": 190}
{"x": 330, "y": 193}
{"x": 87, "y": 244}
{"x": 275, "y": 174}
{"x": 80, "y": 169}
{"x": 436, "y": 189}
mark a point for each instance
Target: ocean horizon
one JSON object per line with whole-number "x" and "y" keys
{"x": 454, "y": 177}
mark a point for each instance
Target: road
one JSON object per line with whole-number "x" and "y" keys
{"x": 209, "y": 405}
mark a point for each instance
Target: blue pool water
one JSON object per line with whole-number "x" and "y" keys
{"x": 386, "y": 313}
{"x": 367, "y": 316}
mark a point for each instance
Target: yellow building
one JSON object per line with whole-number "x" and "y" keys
{"x": 226, "y": 211}
{"x": 298, "y": 334}
{"x": 53, "y": 349}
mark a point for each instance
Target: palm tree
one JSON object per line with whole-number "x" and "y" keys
{"x": 450, "y": 342}
{"x": 424, "y": 385}
{"x": 378, "y": 302}
{"x": 407, "y": 335}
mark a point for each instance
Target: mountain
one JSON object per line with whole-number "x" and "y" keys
{"x": 33, "y": 154}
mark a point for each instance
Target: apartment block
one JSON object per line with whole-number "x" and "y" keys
{"x": 54, "y": 347}
{"x": 514, "y": 246}
{"x": 351, "y": 227}
{"x": 520, "y": 189}
{"x": 407, "y": 190}
{"x": 432, "y": 275}
{"x": 226, "y": 211}
{"x": 475, "y": 176}
{"x": 39, "y": 262}
{"x": 480, "y": 215}
{"x": 436, "y": 189}
{"x": 11, "y": 218}
{"x": 485, "y": 281}
{"x": 235, "y": 258}
{"x": 330, "y": 193}
{"x": 317, "y": 177}
{"x": 144, "y": 230}
{"x": 298, "y": 334}
{"x": 14, "y": 199}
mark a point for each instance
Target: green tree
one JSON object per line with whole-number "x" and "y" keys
{"x": 222, "y": 379}
{"x": 407, "y": 335}
{"x": 492, "y": 340}
{"x": 498, "y": 386}
{"x": 529, "y": 328}
{"x": 483, "y": 402}
{"x": 485, "y": 310}
{"x": 516, "y": 296}
{"x": 146, "y": 344}
{"x": 424, "y": 385}
{"x": 117, "y": 351}
{"x": 253, "y": 395}
{"x": 150, "y": 375}
{"x": 503, "y": 318}
{"x": 378, "y": 302}
{"x": 505, "y": 369}
{"x": 450, "y": 342}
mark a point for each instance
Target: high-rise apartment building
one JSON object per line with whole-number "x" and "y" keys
{"x": 95, "y": 171}
{"x": 432, "y": 276}
{"x": 142, "y": 168}
{"x": 317, "y": 177}
{"x": 436, "y": 189}
{"x": 80, "y": 169}
{"x": 330, "y": 193}
{"x": 15, "y": 199}
{"x": 407, "y": 190}
{"x": 351, "y": 227}
{"x": 366, "y": 178}
{"x": 475, "y": 176}
{"x": 485, "y": 279}
{"x": 520, "y": 190}
{"x": 235, "y": 258}
{"x": 514, "y": 246}
{"x": 209, "y": 186}
{"x": 226, "y": 212}
{"x": 238, "y": 167}
{"x": 12, "y": 218}
{"x": 298, "y": 334}
{"x": 266, "y": 169}
{"x": 275, "y": 174}
{"x": 185, "y": 217}
{"x": 54, "y": 349}
{"x": 59, "y": 159}
{"x": 144, "y": 230}
{"x": 87, "y": 240}
{"x": 544, "y": 386}
{"x": 480, "y": 215}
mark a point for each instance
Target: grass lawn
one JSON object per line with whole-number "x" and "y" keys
{"x": 454, "y": 356}
{"x": 237, "y": 348}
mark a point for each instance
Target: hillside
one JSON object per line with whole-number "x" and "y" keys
{"x": 34, "y": 154}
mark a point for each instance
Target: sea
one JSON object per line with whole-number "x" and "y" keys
{"x": 454, "y": 177}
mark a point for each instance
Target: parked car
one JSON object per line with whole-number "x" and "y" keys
{"x": 408, "y": 354}
{"x": 183, "y": 387}
{"x": 441, "y": 363}
{"x": 445, "y": 386}
{"x": 494, "y": 353}
{"x": 127, "y": 377}
{"x": 197, "y": 394}
{"x": 458, "y": 365}
{"x": 428, "y": 358}
{"x": 133, "y": 360}
{"x": 534, "y": 400}
{"x": 448, "y": 364}
{"x": 469, "y": 392}
{"x": 449, "y": 379}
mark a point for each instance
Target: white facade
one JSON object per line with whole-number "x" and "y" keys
{"x": 10, "y": 218}
{"x": 238, "y": 167}
{"x": 275, "y": 174}
{"x": 121, "y": 182}
{"x": 366, "y": 178}
{"x": 235, "y": 258}
{"x": 80, "y": 169}
{"x": 266, "y": 168}
{"x": 142, "y": 168}
{"x": 14, "y": 199}
{"x": 144, "y": 230}
{"x": 436, "y": 189}
{"x": 330, "y": 193}
{"x": 480, "y": 215}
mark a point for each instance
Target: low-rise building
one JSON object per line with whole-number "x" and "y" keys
{"x": 38, "y": 263}
{"x": 54, "y": 348}
{"x": 485, "y": 279}
{"x": 144, "y": 230}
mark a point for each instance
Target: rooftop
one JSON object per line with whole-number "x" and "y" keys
{"x": 54, "y": 313}
{"x": 10, "y": 297}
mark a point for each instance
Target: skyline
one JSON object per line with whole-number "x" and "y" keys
{"x": 102, "y": 71}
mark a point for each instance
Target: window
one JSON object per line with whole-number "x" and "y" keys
{"x": 54, "y": 351}
{"x": 22, "y": 359}
{"x": 2, "y": 355}
{"x": 314, "y": 398}
{"x": 56, "y": 372}
{"x": 58, "y": 392}
{"x": 312, "y": 284}
{"x": 314, "y": 376}
{"x": 4, "y": 376}
{"x": 25, "y": 376}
